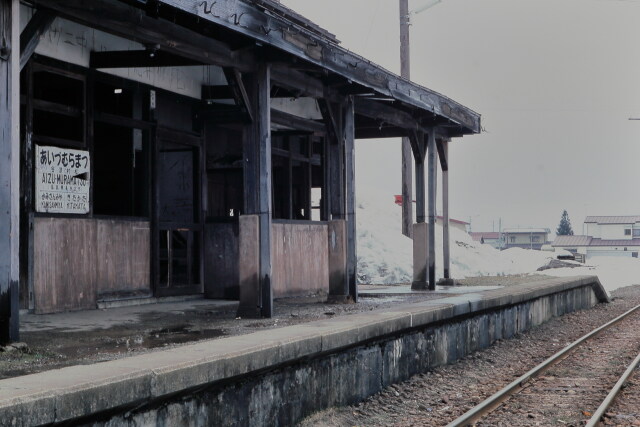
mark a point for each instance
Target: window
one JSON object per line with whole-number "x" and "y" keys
{"x": 627, "y": 232}
{"x": 121, "y": 159}
{"x": 512, "y": 239}
{"x": 58, "y": 107}
{"x": 298, "y": 177}
{"x": 636, "y": 232}
{"x": 535, "y": 239}
{"x": 121, "y": 154}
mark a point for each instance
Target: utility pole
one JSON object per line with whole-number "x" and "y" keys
{"x": 407, "y": 168}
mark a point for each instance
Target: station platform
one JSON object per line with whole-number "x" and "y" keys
{"x": 280, "y": 375}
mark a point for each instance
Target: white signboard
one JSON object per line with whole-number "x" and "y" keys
{"x": 62, "y": 180}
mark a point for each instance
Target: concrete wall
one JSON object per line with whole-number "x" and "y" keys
{"x": 278, "y": 377}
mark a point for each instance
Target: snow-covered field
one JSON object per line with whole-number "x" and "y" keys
{"x": 385, "y": 255}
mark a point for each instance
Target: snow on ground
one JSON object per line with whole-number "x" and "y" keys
{"x": 385, "y": 255}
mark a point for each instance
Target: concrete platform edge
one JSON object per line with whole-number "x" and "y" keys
{"x": 72, "y": 392}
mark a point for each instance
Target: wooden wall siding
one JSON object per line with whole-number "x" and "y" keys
{"x": 64, "y": 270}
{"x": 77, "y": 259}
{"x": 221, "y": 256}
{"x": 300, "y": 262}
{"x": 123, "y": 250}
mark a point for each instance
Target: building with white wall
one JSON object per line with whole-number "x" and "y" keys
{"x": 605, "y": 236}
{"x": 526, "y": 238}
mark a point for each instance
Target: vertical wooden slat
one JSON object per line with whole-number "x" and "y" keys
{"x": 432, "y": 160}
{"x": 9, "y": 170}
{"x": 348, "y": 129}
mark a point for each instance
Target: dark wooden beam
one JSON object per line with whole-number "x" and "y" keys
{"x": 138, "y": 58}
{"x": 418, "y": 145}
{"x": 117, "y": 18}
{"x": 285, "y": 76}
{"x": 297, "y": 123}
{"x": 9, "y": 170}
{"x": 239, "y": 92}
{"x": 385, "y": 113}
{"x": 329, "y": 120}
{"x": 377, "y": 132}
{"x": 442, "y": 155}
{"x": 30, "y": 36}
{"x": 278, "y": 32}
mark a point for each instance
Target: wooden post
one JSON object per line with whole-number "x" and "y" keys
{"x": 348, "y": 130}
{"x": 9, "y": 170}
{"x": 420, "y": 230}
{"x": 446, "y": 258}
{"x": 405, "y": 71}
{"x": 446, "y": 250}
{"x": 432, "y": 165}
{"x": 257, "y": 190}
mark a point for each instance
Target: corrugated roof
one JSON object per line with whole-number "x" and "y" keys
{"x": 478, "y": 235}
{"x": 629, "y": 219}
{"x": 618, "y": 242}
{"x": 564, "y": 241}
{"x": 572, "y": 241}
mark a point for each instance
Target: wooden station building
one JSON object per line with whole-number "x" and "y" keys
{"x": 154, "y": 148}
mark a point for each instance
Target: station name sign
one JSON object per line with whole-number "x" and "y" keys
{"x": 62, "y": 180}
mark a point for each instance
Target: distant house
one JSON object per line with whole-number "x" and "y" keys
{"x": 526, "y": 238}
{"x": 492, "y": 238}
{"x": 605, "y": 236}
{"x": 454, "y": 223}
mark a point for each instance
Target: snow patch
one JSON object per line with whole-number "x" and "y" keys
{"x": 385, "y": 256}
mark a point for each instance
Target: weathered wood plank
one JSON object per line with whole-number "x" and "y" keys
{"x": 116, "y": 18}
{"x": 418, "y": 144}
{"x": 78, "y": 259}
{"x": 138, "y": 58}
{"x": 257, "y": 182}
{"x": 278, "y": 32}
{"x": 300, "y": 259}
{"x": 348, "y": 131}
{"x": 221, "y": 260}
{"x": 30, "y": 36}
{"x": 234, "y": 78}
{"x": 432, "y": 161}
{"x": 446, "y": 258}
{"x": 9, "y": 170}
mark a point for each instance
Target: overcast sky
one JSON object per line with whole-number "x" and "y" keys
{"x": 554, "y": 80}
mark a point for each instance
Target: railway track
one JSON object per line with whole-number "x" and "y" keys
{"x": 575, "y": 386}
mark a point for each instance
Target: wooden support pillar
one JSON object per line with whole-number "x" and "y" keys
{"x": 432, "y": 159}
{"x": 446, "y": 250}
{"x": 9, "y": 170}
{"x": 349, "y": 132}
{"x": 420, "y": 230}
{"x": 257, "y": 193}
{"x": 333, "y": 119}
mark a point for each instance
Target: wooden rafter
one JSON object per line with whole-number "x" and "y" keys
{"x": 239, "y": 92}
{"x": 138, "y": 58}
{"x": 38, "y": 25}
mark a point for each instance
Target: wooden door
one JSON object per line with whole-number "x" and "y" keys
{"x": 178, "y": 213}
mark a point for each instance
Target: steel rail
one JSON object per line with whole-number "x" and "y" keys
{"x": 495, "y": 400}
{"x": 595, "y": 419}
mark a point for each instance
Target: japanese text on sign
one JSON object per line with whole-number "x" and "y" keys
{"x": 62, "y": 180}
